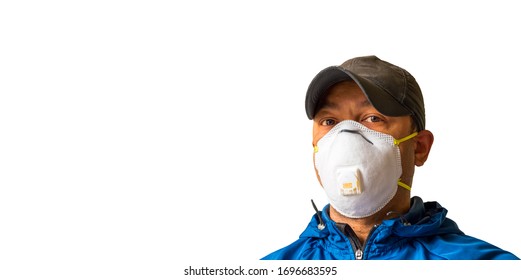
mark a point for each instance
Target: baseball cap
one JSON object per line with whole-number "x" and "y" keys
{"x": 391, "y": 90}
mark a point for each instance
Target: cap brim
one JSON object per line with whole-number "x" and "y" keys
{"x": 379, "y": 98}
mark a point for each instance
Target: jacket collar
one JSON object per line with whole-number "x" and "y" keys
{"x": 423, "y": 219}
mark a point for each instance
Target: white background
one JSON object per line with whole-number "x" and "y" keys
{"x": 137, "y": 137}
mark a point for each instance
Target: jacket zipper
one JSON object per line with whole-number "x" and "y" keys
{"x": 359, "y": 254}
{"x": 355, "y": 242}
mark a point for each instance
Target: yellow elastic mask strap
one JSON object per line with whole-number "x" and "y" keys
{"x": 398, "y": 141}
{"x": 403, "y": 185}
{"x": 315, "y": 149}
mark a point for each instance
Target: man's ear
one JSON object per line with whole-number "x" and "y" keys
{"x": 424, "y": 141}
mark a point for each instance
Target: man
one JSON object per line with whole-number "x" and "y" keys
{"x": 368, "y": 136}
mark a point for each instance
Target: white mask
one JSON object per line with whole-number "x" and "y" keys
{"x": 359, "y": 168}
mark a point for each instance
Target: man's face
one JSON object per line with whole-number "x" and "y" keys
{"x": 346, "y": 101}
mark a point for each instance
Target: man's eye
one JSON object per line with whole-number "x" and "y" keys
{"x": 373, "y": 119}
{"x": 328, "y": 122}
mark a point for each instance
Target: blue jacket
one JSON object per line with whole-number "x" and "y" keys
{"x": 423, "y": 233}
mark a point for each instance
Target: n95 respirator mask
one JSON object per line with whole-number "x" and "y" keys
{"x": 359, "y": 168}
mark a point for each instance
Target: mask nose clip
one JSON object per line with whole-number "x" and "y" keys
{"x": 355, "y": 132}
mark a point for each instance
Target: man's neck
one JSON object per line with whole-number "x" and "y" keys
{"x": 362, "y": 226}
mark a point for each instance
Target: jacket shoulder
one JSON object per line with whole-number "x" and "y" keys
{"x": 464, "y": 247}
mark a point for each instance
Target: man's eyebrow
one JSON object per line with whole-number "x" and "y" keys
{"x": 332, "y": 105}
{"x": 365, "y": 103}
{"x": 328, "y": 105}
